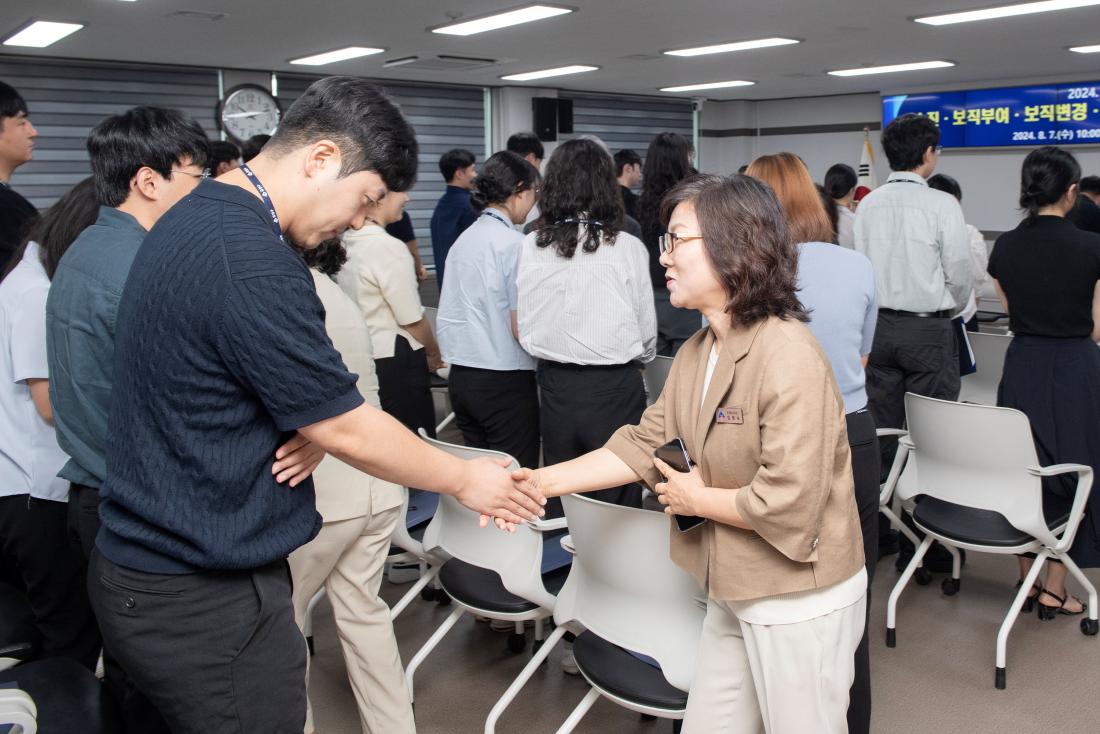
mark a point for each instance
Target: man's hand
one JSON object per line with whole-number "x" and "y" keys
{"x": 488, "y": 490}
{"x": 296, "y": 459}
{"x": 679, "y": 493}
{"x": 421, "y": 272}
{"x": 435, "y": 362}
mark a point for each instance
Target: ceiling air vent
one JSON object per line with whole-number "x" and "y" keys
{"x": 441, "y": 63}
{"x": 198, "y": 15}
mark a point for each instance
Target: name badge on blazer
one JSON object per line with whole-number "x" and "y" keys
{"x": 730, "y": 415}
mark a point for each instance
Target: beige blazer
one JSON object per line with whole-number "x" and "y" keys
{"x": 781, "y": 439}
{"x": 342, "y": 491}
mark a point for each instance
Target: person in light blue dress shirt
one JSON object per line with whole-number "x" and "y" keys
{"x": 492, "y": 380}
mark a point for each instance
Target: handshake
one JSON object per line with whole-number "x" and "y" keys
{"x": 505, "y": 498}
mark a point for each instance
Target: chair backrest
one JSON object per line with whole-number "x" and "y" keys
{"x": 976, "y": 456}
{"x": 989, "y": 356}
{"x": 515, "y": 557}
{"x": 654, "y": 376}
{"x": 624, "y": 587}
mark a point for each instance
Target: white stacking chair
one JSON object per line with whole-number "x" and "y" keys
{"x": 490, "y": 573}
{"x": 980, "y": 481}
{"x": 440, "y": 394}
{"x": 989, "y": 356}
{"x": 890, "y": 505}
{"x": 654, "y": 376}
{"x": 18, "y": 709}
{"x": 629, "y": 596}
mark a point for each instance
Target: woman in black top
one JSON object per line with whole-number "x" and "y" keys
{"x": 1047, "y": 273}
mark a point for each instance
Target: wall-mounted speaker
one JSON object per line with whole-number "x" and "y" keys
{"x": 545, "y": 115}
{"x": 565, "y": 116}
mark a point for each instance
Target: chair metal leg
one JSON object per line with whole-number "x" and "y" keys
{"x": 540, "y": 629}
{"x": 521, "y": 680}
{"x": 414, "y": 591}
{"x": 430, "y": 645}
{"x": 892, "y": 604}
{"x": 307, "y": 623}
{"x": 445, "y": 422}
{"x": 1013, "y": 613}
{"x": 578, "y": 713}
{"x": 1089, "y": 625}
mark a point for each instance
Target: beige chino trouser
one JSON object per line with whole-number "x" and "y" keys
{"x": 777, "y": 679}
{"x": 348, "y": 557}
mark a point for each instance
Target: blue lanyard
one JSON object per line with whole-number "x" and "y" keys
{"x": 494, "y": 215}
{"x": 266, "y": 199}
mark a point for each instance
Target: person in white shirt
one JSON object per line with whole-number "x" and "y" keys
{"x": 585, "y": 308}
{"x": 380, "y": 276}
{"x": 35, "y": 552}
{"x": 917, "y": 242}
{"x": 840, "y": 185}
{"x": 348, "y": 555}
{"x": 492, "y": 380}
{"x": 979, "y": 253}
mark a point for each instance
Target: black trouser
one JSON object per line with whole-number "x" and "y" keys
{"x": 581, "y": 407}
{"x": 497, "y": 410}
{"x": 37, "y": 557}
{"x": 214, "y": 651}
{"x": 865, "y": 470}
{"x": 404, "y": 386}
{"x": 138, "y": 715}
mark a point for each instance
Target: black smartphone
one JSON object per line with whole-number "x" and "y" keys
{"x": 675, "y": 454}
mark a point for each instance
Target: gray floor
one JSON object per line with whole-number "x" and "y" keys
{"x": 939, "y": 678}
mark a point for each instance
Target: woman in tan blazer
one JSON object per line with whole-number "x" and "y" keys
{"x": 754, "y": 400}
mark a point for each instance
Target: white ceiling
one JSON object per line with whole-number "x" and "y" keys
{"x": 623, "y": 37}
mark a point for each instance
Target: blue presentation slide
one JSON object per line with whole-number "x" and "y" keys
{"x": 1042, "y": 115}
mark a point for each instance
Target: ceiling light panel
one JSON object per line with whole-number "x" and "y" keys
{"x": 728, "y": 47}
{"x": 547, "y": 73}
{"x": 342, "y": 54}
{"x": 1086, "y": 49}
{"x": 890, "y": 69}
{"x": 526, "y": 14}
{"x": 708, "y": 85}
{"x": 42, "y": 33}
{"x": 1005, "y": 11}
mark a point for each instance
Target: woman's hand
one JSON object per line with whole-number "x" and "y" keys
{"x": 680, "y": 493}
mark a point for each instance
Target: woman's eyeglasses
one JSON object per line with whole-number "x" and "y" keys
{"x": 669, "y": 241}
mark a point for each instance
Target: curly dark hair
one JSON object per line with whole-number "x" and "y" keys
{"x": 746, "y": 241}
{"x": 580, "y": 188}
{"x": 501, "y": 176}
{"x": 327, "y": 257}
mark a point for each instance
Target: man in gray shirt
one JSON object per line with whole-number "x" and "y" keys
{"x": 917, "y": 242}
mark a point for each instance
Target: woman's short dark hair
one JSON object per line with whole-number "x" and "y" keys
{"x": 943, "y": 182}
{"x": 906, "y": 139}
{"x": 56, "y": 230}
{"x": 502, "y": 176}
{"x": 626, "y": 157}
{"x": 831, "y": 211}
{"x": 327, "y": 257}
{"x": 155, "y": 137}
{"x": 840, "y": 179}
{"x": 360, "y": 118}
{"x": 524, "y": 144}
{"x": 666, "y": 164}
{"x": 1089, "y": 185}
{"x": 1047, "y": 174}
{"x": 580, "y": 188}
{"x": 222, "y": 151}
{"x": 746, "y": 241}
{"x": 453, "y": 161}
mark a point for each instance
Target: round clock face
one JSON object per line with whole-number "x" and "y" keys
{"x": 248, "y": 110}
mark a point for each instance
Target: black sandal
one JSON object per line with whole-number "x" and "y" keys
{"x": 1029, "y": 600}
{"x": 1049, "y": 612}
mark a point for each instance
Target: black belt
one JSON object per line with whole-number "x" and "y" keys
{"x": 917, "y": 314}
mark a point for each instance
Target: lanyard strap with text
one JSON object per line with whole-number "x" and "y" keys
{"x": 266, "y": 199}
{"x": 494, "y": 215}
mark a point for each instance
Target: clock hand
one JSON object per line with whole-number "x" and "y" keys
{"x": 244, "y": 114}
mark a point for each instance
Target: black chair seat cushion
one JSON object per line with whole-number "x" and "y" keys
{"x": 19, "y": 637}
{"x": 616, "y": 671}
{"x": 483, "y": 589}
{"x": 969, "y": 525}
{"x": 68, "y": 697}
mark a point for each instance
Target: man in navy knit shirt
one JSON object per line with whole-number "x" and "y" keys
{"x": 221, "y": 353}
